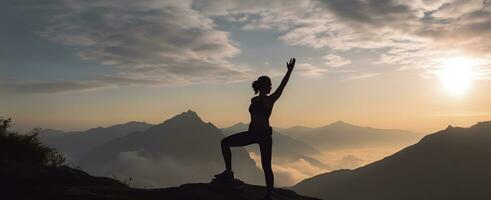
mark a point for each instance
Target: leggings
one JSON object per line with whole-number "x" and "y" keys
{"x": 246, "y": 138}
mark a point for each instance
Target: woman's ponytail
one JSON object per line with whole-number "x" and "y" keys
{"x": 255, "y": 86}
{"x": 263, "y": 82}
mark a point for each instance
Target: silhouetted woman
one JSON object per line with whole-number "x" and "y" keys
{"x": 259, "y": 130}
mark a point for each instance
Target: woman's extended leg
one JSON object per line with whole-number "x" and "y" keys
{"x": 239, "y": 139}
{"x": 266, "y": 150}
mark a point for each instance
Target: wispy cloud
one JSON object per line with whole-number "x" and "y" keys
{"x": 309, "y": 70}
{"x": 147, "y": 41}
{"x": 173, "y": 42}
{"x": 52, "y": 86}
{"x": 407, "y": 34}
{"x": 334, "y": 60}
{"x": 361, "y": 76}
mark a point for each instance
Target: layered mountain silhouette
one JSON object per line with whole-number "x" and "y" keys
{"x": 143, "y": 151}
{"x": 76, "y": 144}
{"x": 27, "y": 181}
{"x": 451, "y": 164}
{"x": 340, "y": 135}
{"x": 180, "y": 150}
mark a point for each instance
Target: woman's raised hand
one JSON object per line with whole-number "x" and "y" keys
{"x": 291, "y": 64}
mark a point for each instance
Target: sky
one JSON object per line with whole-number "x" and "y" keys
{"x": 416, "y": 65}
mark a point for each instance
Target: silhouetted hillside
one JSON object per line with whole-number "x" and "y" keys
{"x": 75, "y": 144}
{"x": 451, "y": 164}
{"x": 26, "y": 147}
{"x": 25, "y": 181}
{"x": 180, "y": 150}
{"x": 339, "y": 135}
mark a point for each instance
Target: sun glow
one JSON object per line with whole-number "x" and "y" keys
{"x": 457, "y": 74}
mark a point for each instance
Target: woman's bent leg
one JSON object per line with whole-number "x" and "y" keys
{"x": 266, "y": 151}
{"x": 239, "y": 139}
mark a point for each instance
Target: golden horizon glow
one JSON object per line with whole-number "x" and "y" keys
{"x": 457, "y": 74}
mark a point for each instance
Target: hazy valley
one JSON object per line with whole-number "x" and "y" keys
{"x": 186, "y": 149}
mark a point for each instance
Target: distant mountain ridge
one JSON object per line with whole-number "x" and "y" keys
{"x": 179, "y": 150}
{"x": 450, "y": 164}
{"x": 75, "y": 144}
{"x": 107, "y": 154}
{"x": 340, "y": 135}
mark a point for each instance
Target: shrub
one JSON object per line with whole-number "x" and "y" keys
{"x": 27, "y": 148}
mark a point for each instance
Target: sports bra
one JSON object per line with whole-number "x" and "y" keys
{"x": 257, "y": 107}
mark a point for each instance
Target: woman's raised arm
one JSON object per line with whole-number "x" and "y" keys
{"x": 289, "y": 65}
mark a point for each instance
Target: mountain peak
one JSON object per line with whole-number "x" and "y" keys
{"x": 340, "y": 123}
{"x": 187, "y": 117}
{"x": 188, "y": 114}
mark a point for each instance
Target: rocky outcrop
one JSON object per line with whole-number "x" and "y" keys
{"x": 24, "y": 181}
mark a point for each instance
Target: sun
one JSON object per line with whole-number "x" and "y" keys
{"x": 457, "y": 74}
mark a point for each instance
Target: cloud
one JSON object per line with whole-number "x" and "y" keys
{"x": 148, "y": 172}
{"x": 361, "y": 76}
{"x": 52, "y": 86}
{"x": 350, "y": 161}
{"x": 334, "y": 60}
{"x": 149, "y": 42}
{"x": 151, "y": 172}
{"x": 287, "y": 172}
{"x": 372, "y": 12}
{"x": 309, "y": 70}
{"x": 173, "y": 42}
{"x": 352, "y": 158}
{"x": 406, "y": 34}
{"x": 463, "y": 24}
